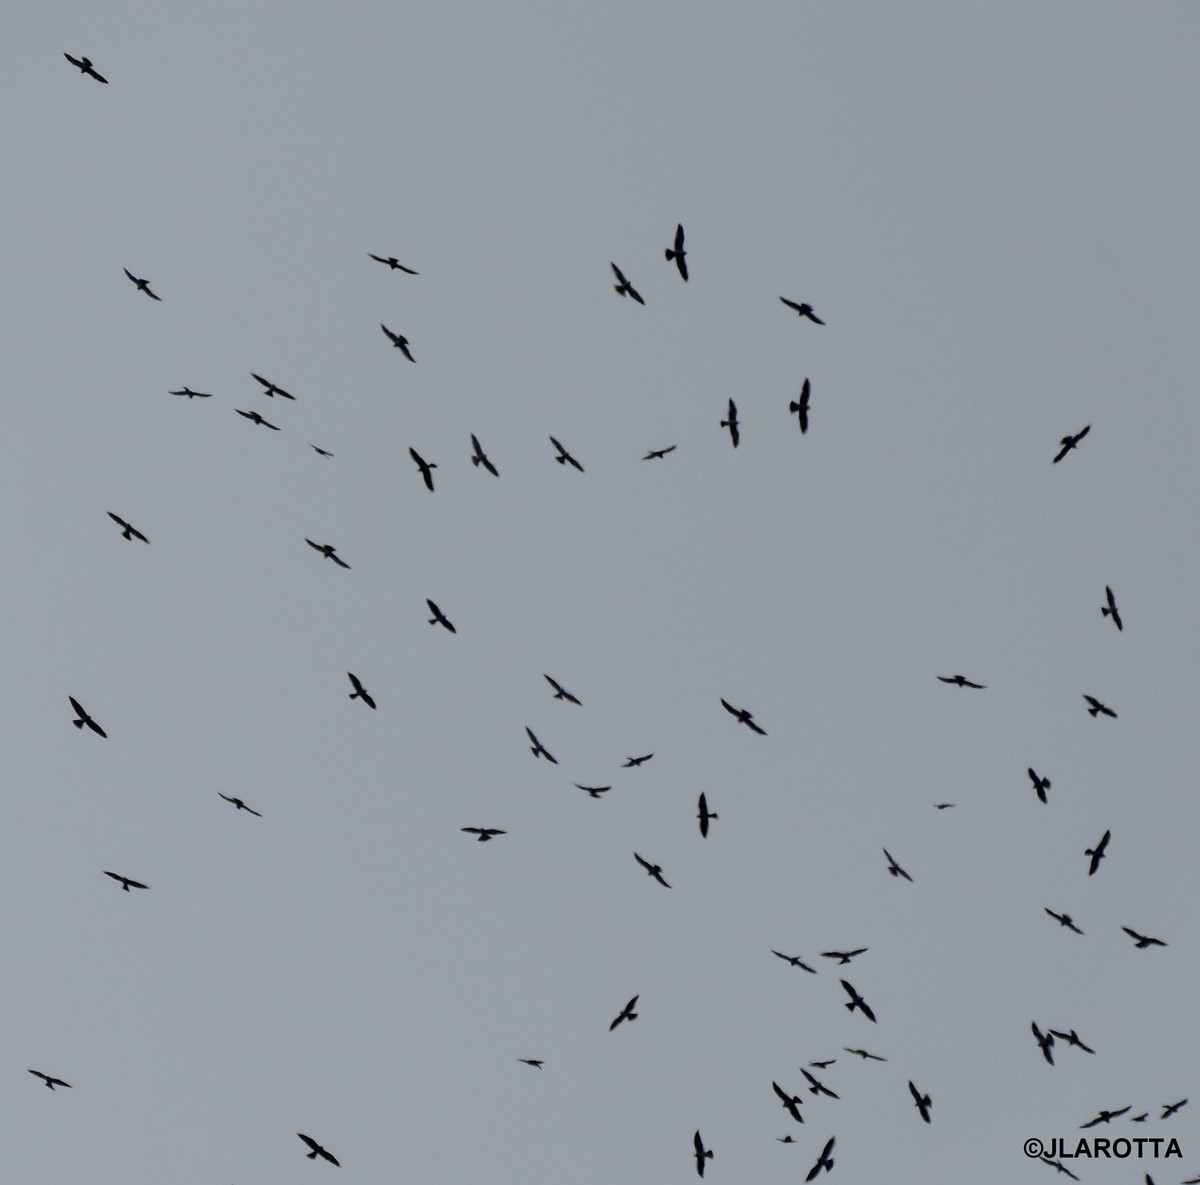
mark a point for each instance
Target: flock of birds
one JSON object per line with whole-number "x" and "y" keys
{"x": 1045, "y": 1040}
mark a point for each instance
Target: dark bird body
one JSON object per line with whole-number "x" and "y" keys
{"x": 1141, "y": 940}
{"x": 399, "y": 341}
{"x": 804, "y": 310}
{"x": 704, "y": 815}
{"x": 1045, "y": 1041}
{"x": 85, "y": 67}
{"x": 359, "y": 692}
{"x": 594, "y": 791}
{"x": 483, "y": 834}
{"x": 142, "y": 285}
{"x": 479, "y": 457}
{"x": 843, "y": 956}
{"x": 536, "y": 1063}
{"x": 328, "y": 551}
{"x": 82, "y": 718}
{"x": 1105, "y": 1117}
{"x": 801, "y": 409}
{"x": 1064, "y": 919}
{"x": 538, "y": 749}
{"x": 922, "y": 1101}
{"x": 653, "y": 870}
{"x": 1070, "y": 442}
{"x": 127, "y": 531}
{"x": 255, "y": 418}
{"x": 794, "y": 961}
{"x": 126, "y": 883}
{"x": 270, "y": 389}
{"x": 895, "y": 868}
{"x": 439, "y": 618}
{"x": 1097, "y": 708}
{"x": 393, "y": 263}
{"x": 1169, "y": 1109}
{"x": 743, "y": 716}
{"x": 657, "y": 454}
{"x": 1041, "y": 785}
{"x": 623, "y": 287}
{"x": 816, "y": 1086}
{"x": 426, "y": 468}
{"x": 856, "y": 1001}
{"x": 559, "y": 691}
{"x": 791, "y": 1103}
{"x": 630, "y": 762}
{"x": 239, "y": 804}
{"x": 1058, "y": 1164}
{"x": 874, "y": 1057}
{"x": 190, "y": 394}
{"x": 1111, "y": 610}
{"x": 317, "y": 1150}
{"x": 626, "y": 1013}
{"x": 701, "y": 1153}
{"x": 678, "y": 254}
{"x": 732, "y": 423}
{"x": 1072, "y": 1038}
{"x": 564, "y": 457}
{"x": 1097, "y": 853}
{"x": 48, "y": 1081}
{"x": 824, "y": 1161}
{"x": 962, "y": 681}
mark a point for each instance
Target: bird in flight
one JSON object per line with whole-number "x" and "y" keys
{"x": 732, "y": 423}
{"x": 941, "y": 806}
{"x": 594, "y": 791}
{"x": 317, "y": 1150}
{"x": 823, "y": 1065}
{"x": 791, "y": 1103}
{"x": 805, "y": 310}
{"x": 743, "y": 717}
{"x": 192, "y": 394}
{"x": 82, "y": 718}
{"x": 1097, "y": 853}
{"x": 653, "y": 870}
{"x": 439, "y": 618}
{"x": 255, "y": 418}
{"x": 1097, "y": 708}
{"x": 1041, "y": 785}
{"x": 483, "y": 833}
{"x": 1111, "y": 610}
{"x": 321, "y": 451}
{"x": 538, "y": 749}
{"x": 816, "y": 1086}
{"x": 328, "y": 551}
{"x": 426, "y": 468}
{"x": 874, "y": 1057}
{"x": 126, "y": 883}
{"x": 1058, "y": 1164}
{"x": 923, "y": 1101}
{"x": 630, "y": 762}
{"x": 142, "y": 285}
{"x": 536, "y": 1062}
{"x": 85, "y": 67}
{"x": 794, "y": 961}
{"x": 127, "y": 531}
{"x": 961, "y": 681}
{"x": 47, "y": 1080}
{"x": 239, "y": 804}
{"x": 1064, "y": 919}
{"x": 801, "y": 409}
{"x": 626, "y": 1013}
{"x": 680, "y": 257}
{"x": 856, "y": 1001}
{"x": 564, "y": 457}
{"x": 1070, "y": 442}
{"x": 895, "y": 868}
{"x": 843, "y": 956}
{"x": 559, "y": 691}
{"x": 624, "y": 287}
{"x": 1169, "y": 1109}
{"x": 479, "y": 457}
{"x": 393, "y": 263}
{"x": 360, "y": 692}
{"x": 1141, "y": 940}
{"x": 656, "y": 454}
{"x": 1105, "y": 1117}
{"x": 704, "y": 816}
{"x": 270, "y": 389}
{"x": 1045, "y": 1041}
{"x": 399, "y": 341}
{"x": 824, "y": 1161}
{"x": 701, "y": 1153}
{"x": 1072, "y": 1038}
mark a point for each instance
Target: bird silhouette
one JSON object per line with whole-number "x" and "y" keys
{"x": 142, "y": 285}
{"x": 623, "y": 287}
{"x": 743, "y": 717}
{"x": 732, "y": 423}
{"x": 874, "y": 1057}
{"x": 535, "y": 1062}
{"x": 48, "y": 1081}
{"x": 439, "y": 618}
{"x": 82, "y": 718}
{"x": 705, "y": 815}
{"x": 393, "y": 263}
{"x": 961, "y": 681}
{"x": 653, "y": 870}
{"x": 843, "y": 956}
{"x": 791, "y": 1103}
{"x": 1141, "y": 940}
{"x": 190, "y": 394}
{"x": 1064, "y": 919}
{"x": 564, "y": 457}
{"x": 626, "y": 1013}
{"x": 85, "y": 66}
{"x": 805, "y": 310}
{"x": 856, "y": 1001}
{"x": 593, "y": 791}
{"x": 794, "y": 961}
{"x": 483, "y": 834}
{"x": 538, "y": 749}
{"x": 270, "y": 389}
{"x": 701, "y": 1153}
{"x": 923, "y": 1101}
{"x": 399, "y": 341}
{"x": 317, "y": 1150}
{"x": 127, "y": 531}
{"x": 816, "y": 1086}
{"x": 1070, "y": 442}
{"x": 559, "y": 691}
{"x": 426, "y": 468}
{"x": 239, "y": 804}
{"x": 1041, "y": 785}
{"x": 1106, "y": 1116}
{"x": 126, "y": 882}
{"x": 1058, "y": 1164}
{"x": 1169, "y": 1109}
{"x": 1098, "y": 708}
{"x": 679, "y": 255}
{"x": 328, "y": 551}
{"x": 656, "y": 454}
{"x": 360, "y": 692}
{"x": 255, "y": 418}
{"x": 1097, "y": 853}
{"x": 823, "y": 1065}
{"x": 1111, "y": 610}
{"x": 1045, "y": 1042}
{"x": 801, "y": 409}
{"x": 895, "y": 868}
{"x": 479, "y": 457}
{"x": 1072, "y": 1038}
{"x": 630, "y": 762}
{"x": 320, "y": 451}
{"x": 824, "y": 1161}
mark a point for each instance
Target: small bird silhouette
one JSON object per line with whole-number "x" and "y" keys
{"x": 701, "y": 1153}
{"x": 127, "y": 531}
{"x": 1045, "y": 1041}
{"x": 961, "y": 681}
{"x": 46, "y": 1079}
{"x": 656, "y": 454}
{"x": 743, "y": 717}
{"x": 328, "y": 551}
{"x": 824, "y": 1161}
{"x": 1141, "y": 940}
{"x": 393, "y": 263}
{"x": 680, "y": 257}
{"x": 653, "y": 870}
{"x": 270, "y": 389}
{"x": 1070, "y": 442}
{"x": 321, "y": 451}
{"x": 564, "y": 457}
{"x": 479, "y": 457}
{"x": 630, "y": 762}
{"x": 190, "y": 394}
{"x": 239, "y": 804}
{"x": 624, "y": 287}
{"x": 1072, "y": 1038}
{"x": 142, "y": 285}
{"x": 82, "y": 718}
{"x": 85, "y": 66}
{"x": 1064, "y": 919}
{"x": 1111, "y": 610}
{"x": 895, "y": 868}
{"x": 538, "y": 749}
{"x": 626, "y": 1013}
{"x": 856, "y": 1001}
{"x": 255, "y": 418}
{"x": 1097, "y": 853}
{"x": 535, "y": 1062}
{"x": 805, "y": 310}
{"x": 1041, "y": 785}
{"x": 1058, "y": 1164}
{"x": 1106, "y": 1116}
{"x": 843, "y": 956}
{"x": 483, "y": 834}
{"x": 1169, "y": 1109}
{"x": 732, "y": 423}
{"x": 923, "y": 1101}
{"x": 791, "y": 1103}
{"x": 126, "y": 883}
{"x": 399, "y": 341}
{"x": 426, "y": 468}
{"x": 705, "y": 815}
{"x": 317, "y": 1150}
{"x": 559, "y": 691}
{"x": 874, "y": 1057}
{"x": 1098, "y": 708}
{"x": 593, "y": 791}
{"x": 439, "y": 618}
{"x": 816, "y": 1086}
{"x": 359, "y": 692}
{"x": 794, "y": 961}
{"x": 801, "y": 409}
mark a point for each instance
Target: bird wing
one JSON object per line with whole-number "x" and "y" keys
{"x": 395, "y": 337}
{"x": 679, "y": 238}
{"x": 648, "y": 867}
{"x": 791, "y": 304}
{"x": 358, "y": 687}
{"x": 618, "y": 274}
{"x": 341, "y": 563}
{"x": 77, "y": 706}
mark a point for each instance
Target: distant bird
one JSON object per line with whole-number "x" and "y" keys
{"x": 1058, "y": 1164}
{"x": 941, "y": 806}
{"x": 559, "y": 691}
{"x": 785, "y": 1139}
{"x": 1045, "y": 1042}
{"x": 678, "y": 254}
{"x": 317, "y": 1150}
{"x": 359, "y": 692}
{"x": 538, "y": 749}
{"x": 46, "y": 1079}
{"x": 1064, "y": 919}
{"x": 856, "y": 1001}
{"x": 1069, "y": 442}
{"x": 794, "y": 961}
{"x": 805, "y": 310}
{"x": 823, "y": 1065}
{"x": 824, "y": 1161}
{"x": 1097, "y": 853}
{"x": 1140, "y": 1118}
{"x": 701, "y": 1153}
{"x": 564, "y": 457}
{"x": 239, "y": 804}
{"x": 626, "y": 1013}
{"x": 323, "y": 452}
{"x": 82, "y": 718}
{"x": 1097, "y": 708}
{"x": 1041, "y": 785}
{"x": 791, "y": 1103}
{"x": 743, "y": 717}
{"x": 1169, "y": 1109}
{"x": 658, "y": 453}
{"x": 255, "y": 418}
{"x": 328, "y": 551}
{"x": 1111, "y": 610}
{"x": 923, "y": 1101}
{"x": 732, "y": 423}
{"x": 1105, "y": 1117}
{"x": 630, "y": 762}
{"x": 843, "y": 956}
{"x": 961, "y": 681}
{"x": 623, "y": 287}
{"x": 535, "y": 1062}
{"x": 801, "y": 409}
{"x": 483, "y": 834}
{"x": 192, "y": 394}
{"x": 426, "y": 468}
{"x": 142, "y": 285}
{"x": 895, "y": 868}
{"x": 126, "y": 883}
{"x": 270, "y": 388}
{"x": 874, "y": 1057}
{"x": 1072, "y": 1038}
{"x": 85, "y": 67}
{"x": 393, "y": 263}
{"x": 399, "y": 341}
{"x": 439, "y": 618}
{"x": 653, "y": 870}
{"x": 127, "y": 531}
{"x": 1141, "y": 940}
{"x": 479, "y": 457}
{"x": 705, "y": 815}
{"x": 816, "y": 1086}
{"x": 594, "y": 791}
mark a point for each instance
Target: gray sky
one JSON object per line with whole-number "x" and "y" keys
{"x": 993, "y": 209}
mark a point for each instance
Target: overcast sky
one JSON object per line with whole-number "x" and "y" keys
{"x": 992, "y": 207}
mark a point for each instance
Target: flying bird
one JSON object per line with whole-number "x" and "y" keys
{"x": 1105, "y": 1117}
{"x": 1111, "y": 610}
{"x": 823, "y": 1065}
{"x": 321, "y": 451}
{"x": 1097, "y": 853}
{"x": 856, "y": 1001}
{"x": 559, "y": 691}
{"x": 426, "y": 468}
{"x": 805, "y": 310}
{"x": 192, "y": 394}
{"x": 941, "y": 806}
{"x": 82, "y": 718}
{"x": 1070, "y": 442}
{"x": 1045, "y": 1041}
{"x": 46, "y": 1079}
{"x": 624, "y": 287}
{"x": 653, "y": 870}
{"x": 317, "y": 1150}
{"x": 656, "y": 454}
{"x": 399, "y": 341}
{"x": 923, "y": 1101}
{"x": 1140, "y": 1118}
{"x": 85, "y": 66}
{"x": 1041, "y": 785}
{"x": 801, "y": 409}
{"x": 255, "y": 418}
{"x": 328, "y": 551}
{"x": 479, "y": 457}
{"x": 824, "y": 1161}
{"x": 701, "y": 1153}
{"x": 142, "y": 285}
{"x": 1064, "y": 919}
{"x": 239, "y": 804}
{"x": 1097, "y": 708}
{"x": 743, "y": 717}
{"x": 1141, "y": 940}
{"x": 678, "y": 254}
{"x": 1169, "y": 1109}
{"x": 843, "y": 956}
{"x": 483, "y": 833}
{"x": 626, "y": 1013}
{"x": 126, "y": 883}
{"x": 816, "y": 1086}
{"x": 630, "y": 762}
{"x": 874, "y": 1057}
{"x": 895, "y": 868}
{"x": 538, "y": 749}
{"x": 594, "y": 791}
{"x": 791, "y": 1103}
{"x": 705, "y": 815}
{"x": 270, "y": 388}
{"x": 961, "y": 681}
{"x": 439, "y": 618}
{"x": 564, "y": 457}
{"x": 535, "y": 1062}
{"x": 127, "y": 531}
{"x": 360, "y": 692}
{"x": 732, "y": 423}
{"x": 1058, "y": 1164}
{"x": 393, "y": 263}
{"x": 1072, "y": 1038}
{"x": 785, "y": 1139}
{"x": 794, "y": 961}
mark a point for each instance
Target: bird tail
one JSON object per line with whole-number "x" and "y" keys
{"x": 312, "y": 1156}
{"x": 475, "y": 461}
{"x": 1105, "y": 611}
{"x": 77, "y": 723}
{"x": 793, "y": 407}
{"x": 669, "y": 253}
{"x": 1093, "y": 712}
